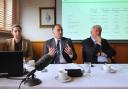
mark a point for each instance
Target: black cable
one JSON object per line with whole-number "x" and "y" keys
{"x": 15, "y": 78}
{"x": 21, "y": 83}
{"x": 24, "y": 79}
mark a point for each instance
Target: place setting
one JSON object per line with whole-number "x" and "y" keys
{"x": 109, "y": 68}
{"x": 63, "y": 77}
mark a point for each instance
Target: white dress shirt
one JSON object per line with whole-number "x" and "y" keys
{"x": 62, "y": 60}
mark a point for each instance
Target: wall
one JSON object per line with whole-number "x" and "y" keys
{"x": 30, "y": 19}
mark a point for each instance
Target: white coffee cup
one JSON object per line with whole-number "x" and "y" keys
{"x": 62, "y": 75}
{"x": 106, "y": 67}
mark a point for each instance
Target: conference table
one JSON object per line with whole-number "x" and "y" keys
{"x": 96, "y": 79}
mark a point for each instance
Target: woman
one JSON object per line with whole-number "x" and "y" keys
{"x": 18, "y": 43}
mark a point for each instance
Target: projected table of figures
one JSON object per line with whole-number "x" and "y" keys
{"x": 79, "y": 16}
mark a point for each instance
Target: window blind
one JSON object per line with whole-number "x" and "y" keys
{"x": 8, "y": 14}
{"x": 2, "y": 14}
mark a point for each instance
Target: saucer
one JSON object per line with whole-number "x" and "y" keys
{"x": 63, "y": 81}
{"x": 112, "y": 71}
{"x": 109, "y": 69}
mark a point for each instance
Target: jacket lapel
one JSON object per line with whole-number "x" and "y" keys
{"x": 62, "y": 44}
{"x": 53, "y": 43}
{"x": 23, "y": 44}
{"x": 13, "y": 44}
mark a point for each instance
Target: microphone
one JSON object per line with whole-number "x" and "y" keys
{"x": 44, "y": 61}
{"x": 41, "y": 64}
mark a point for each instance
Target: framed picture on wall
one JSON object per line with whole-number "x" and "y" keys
{"x": 47, "y": 16}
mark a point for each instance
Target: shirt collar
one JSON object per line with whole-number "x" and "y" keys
{"x": 56, "y": 40}
{"x": 93, "y": 39}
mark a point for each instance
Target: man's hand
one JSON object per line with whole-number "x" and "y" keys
{"x": 101, "y": 54}
{"x": 52, "y": 52}
{"x": 68, "y": 50}
{"x": 98, "y": 54}
{"x": 98, "y": 40}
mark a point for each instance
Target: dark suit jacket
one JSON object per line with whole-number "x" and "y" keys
{"x": 64, "y": 42}
{"x": 90, "y": 49}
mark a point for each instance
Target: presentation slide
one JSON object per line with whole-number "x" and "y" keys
{"x": 78, "y": 16}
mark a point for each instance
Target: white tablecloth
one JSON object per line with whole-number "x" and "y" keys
{"x": 97, "y": 79}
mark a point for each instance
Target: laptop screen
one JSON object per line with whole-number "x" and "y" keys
{"x": 11, "y": 63}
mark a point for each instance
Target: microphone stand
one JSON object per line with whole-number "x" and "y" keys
{"x": 32, "y": 81}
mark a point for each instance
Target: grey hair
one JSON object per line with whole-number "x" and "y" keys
{"x": 98, "y": 27}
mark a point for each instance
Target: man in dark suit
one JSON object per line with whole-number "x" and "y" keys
{"x": 95, "y": 48}
{"x": 61, "y": 46}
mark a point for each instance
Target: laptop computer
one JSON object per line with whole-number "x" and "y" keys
{"x": 11, "y": 63}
